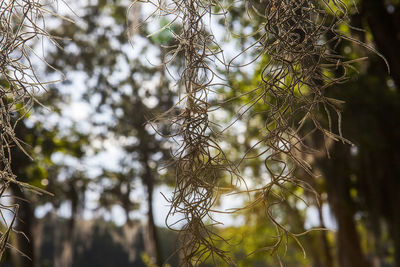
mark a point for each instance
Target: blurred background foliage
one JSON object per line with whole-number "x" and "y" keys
{"x": 119, "y": 88}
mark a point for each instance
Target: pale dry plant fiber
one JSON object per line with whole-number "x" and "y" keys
{"x": 22, "y": 25}
{"x": 296, "y": 40}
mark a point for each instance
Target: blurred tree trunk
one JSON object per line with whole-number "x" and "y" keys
{"x": 328, "y": 259}
{"x": 336, "y": 172}
{"x": 23, "y": 226}
{"x": 151, "y": 238}
{"x": 65, "y": 257}
{"x": 151, "y": 241}
{"x": 37, "y": 232}
{"x": 25, "y": 217}
{"x": 147, "y": 146}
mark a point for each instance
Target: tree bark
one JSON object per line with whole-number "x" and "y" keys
{"x": 337, "y": 177}
{"x": 328, "y": 259}
{"x": 153, "y": 244}
{"x": 146, "y": 148}
{"x": 66, "y": 255}
{"x": 24, "y": 226}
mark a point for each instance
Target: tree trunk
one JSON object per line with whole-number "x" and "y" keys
{"x": 151, "y": 240}
{"x": 145, "y": 149}
{"x": 66, "y": 255}
{"x": 24, "y": 226}
{"x": 337, "y": 177}
{"x": 328, "y": 259}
